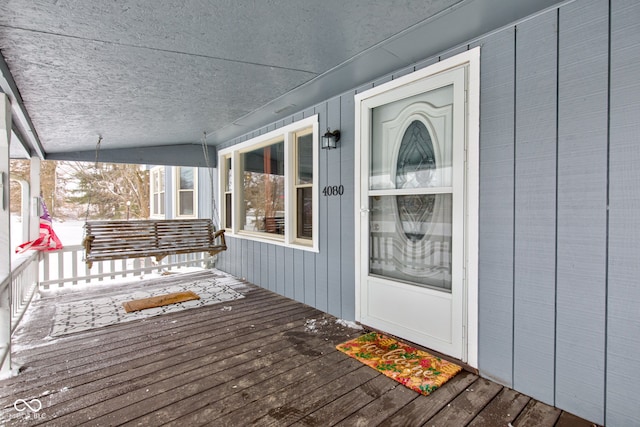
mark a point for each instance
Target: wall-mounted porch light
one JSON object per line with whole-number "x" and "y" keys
{"x": 330, "y": 139}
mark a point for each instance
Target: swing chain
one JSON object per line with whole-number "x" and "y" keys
{"x": 97, "y": 151}
{"x": 86, "y": 216}
{"x": 95, "y": 166}
{"x": 205, "y": 150}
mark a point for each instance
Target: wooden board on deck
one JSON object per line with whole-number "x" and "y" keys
{"x": 159, "y": 301}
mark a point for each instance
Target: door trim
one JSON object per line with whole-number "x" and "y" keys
{"x": 471, "y": 60}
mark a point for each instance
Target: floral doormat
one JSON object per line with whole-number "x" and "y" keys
{"x": 413, "y": 368}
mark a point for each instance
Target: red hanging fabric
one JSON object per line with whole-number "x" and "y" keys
{"x": 48, "y": 240}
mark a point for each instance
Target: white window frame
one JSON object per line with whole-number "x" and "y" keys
{"x": 226, "y": 189}
{"x": 176, "y": 192}
{"x": 295, "y": 186}
{"x": 288, "y": 134}
{"x": 157, "y": 211}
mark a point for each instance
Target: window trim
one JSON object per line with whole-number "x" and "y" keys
{"x": 288, "y": 134}
{"x": 161, "y": 207}
{"x": 295, "y": 186}
{"x": 176, "y": 192}
{"x": 224, "y": 184}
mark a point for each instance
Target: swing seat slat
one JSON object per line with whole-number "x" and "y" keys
{"x": 112, "y": 240}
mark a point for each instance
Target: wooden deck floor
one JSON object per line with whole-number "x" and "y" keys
{"x": 267, "y": 360}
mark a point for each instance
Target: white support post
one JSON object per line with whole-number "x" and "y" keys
{"x": 25, "y": 211}
{"x": 5, "y": 235}
{"x": 34, "y": 188}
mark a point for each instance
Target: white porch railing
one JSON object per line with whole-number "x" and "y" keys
{"x": 24, "y": 280}
{"x": 66, "y": 267}
{"x": 20, "y": 287}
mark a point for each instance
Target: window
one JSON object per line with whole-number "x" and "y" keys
{"x": 186, "y": 200}
{"x": 227, "y": 184}
{"x": 277, "y": 201}
{"x": 157, "y": 191}
{"x": 304, "y": 184}
{"x": 262, "y": 201}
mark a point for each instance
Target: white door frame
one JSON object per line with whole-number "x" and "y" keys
{"x": 471, "y": 60}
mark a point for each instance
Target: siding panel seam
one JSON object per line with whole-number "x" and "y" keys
{"x": 555, "y": 285}
{"x": 606, "y": 251}
{"x": 514, "y": 201}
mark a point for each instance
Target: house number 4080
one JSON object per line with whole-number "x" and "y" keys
{"x": 333, "y": 190}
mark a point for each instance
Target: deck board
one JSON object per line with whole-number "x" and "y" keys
{"x": 502, "y": 410}
{"x": 467, "y": 405}
{"x": 296, "y": 409}
{"x": 346, "y": 404}
{"x": 537, "y": 413}
{"x": 423, "y": 408}
{"x": 257, "y": 361}
{"x": 381, "y": 408}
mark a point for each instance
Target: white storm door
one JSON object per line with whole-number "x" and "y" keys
{"x": 411, "y": 211}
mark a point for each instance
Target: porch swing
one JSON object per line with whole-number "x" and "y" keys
{"x": 117, "y": 239}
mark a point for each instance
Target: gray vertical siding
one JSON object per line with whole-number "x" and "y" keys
{"x": 334, "y": 236}
{"x": 257, "y": 263}
{"x": 535, "y": 207}
{"x": 347, "y": 204}
{"x": 496, "y": 223}
{"x": 623, "y": 308}
{"x": 559, "y": 300}
{"x": 269, "y": 259}
{"x": 326, "y": 222}
{"x": 289, "y": 273}
{"x": 281, "y": 284}
{"x": 582, "y": 208}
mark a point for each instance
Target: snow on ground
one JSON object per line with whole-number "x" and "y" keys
{"x": 349, "y": 324}
{"x": 313, "y": 325}
{"x": 119, "y": 280}
{"x": 69, "y": 232}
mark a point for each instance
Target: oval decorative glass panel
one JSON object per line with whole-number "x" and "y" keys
{"x": 414, "y": 169}
{"x": 416, "y": 157}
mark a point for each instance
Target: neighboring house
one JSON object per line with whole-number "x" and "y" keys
{"x": 479, "y": 202}
{"x": 180, "y": 192}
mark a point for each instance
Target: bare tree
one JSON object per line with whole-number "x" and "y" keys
{"x": 48, "y": 185}
{"x": 110, "y": 190}
{"x": 21, "y": 169}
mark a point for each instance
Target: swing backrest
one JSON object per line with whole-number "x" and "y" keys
{"x": 106, "y": 240}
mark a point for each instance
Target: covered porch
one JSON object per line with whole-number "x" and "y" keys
{"x": 546, "y": 296}
{"x": 263, "y": 359}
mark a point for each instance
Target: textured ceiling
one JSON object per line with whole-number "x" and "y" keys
{"x": 160, "y": 73}
{"x": 154, "y": 73}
